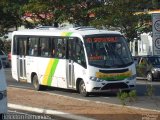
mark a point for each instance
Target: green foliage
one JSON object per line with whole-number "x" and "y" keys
{"x": 117, "y": 14}
{"x": 150, "y": 90}
{"x": 1, "y": 45}
{"x": 155, "y": 4}
{"x": 123, "y": 97}
{"x": 120, "y": 14}
{"x": 128, "y": 96}
{"x": 5, "y": 46}
{"x": 48, "y": 12}
{"x": 132, "y": 95}
{"x": 9, "y": 9}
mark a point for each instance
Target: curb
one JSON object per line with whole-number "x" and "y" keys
{"x": 46, "y": 111}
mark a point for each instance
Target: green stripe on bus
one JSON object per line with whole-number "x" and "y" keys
{"x": 53, "y": 69}
{"x": 69, "y": 33}
{"x": 66, "y": 34}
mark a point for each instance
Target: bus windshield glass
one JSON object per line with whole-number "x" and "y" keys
{"x": 107, "y": 51}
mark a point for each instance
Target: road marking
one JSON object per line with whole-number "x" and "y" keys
{"x": 46, "y": 111}
{"x": 106, "y": 97}
{"x": 14, "y": 111}
{"x": 15, "y": 86}
{"x": 25, "y": 115}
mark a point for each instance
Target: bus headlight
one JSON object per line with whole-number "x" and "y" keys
{"x": 132, "y": 77}
{"x": 3, "y": 94}
{"x": 95, "y": 79}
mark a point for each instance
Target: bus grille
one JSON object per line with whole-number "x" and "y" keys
{"x": 114, "y": 71}
{"x": 120, "y": 85}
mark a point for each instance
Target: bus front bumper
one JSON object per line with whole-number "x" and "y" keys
{"x": 110, "y": 86}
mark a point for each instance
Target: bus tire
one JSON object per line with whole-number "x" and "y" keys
{"x": 36, "y": 84}
{"x": 82, "y": 89}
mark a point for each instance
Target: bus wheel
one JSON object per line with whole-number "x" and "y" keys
{"x": 36, "y": 84}
{"x": 82, "y": 89}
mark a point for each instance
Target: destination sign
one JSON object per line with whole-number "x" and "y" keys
{"x": 108, "y": 39}
{"x": 96, "y": 58}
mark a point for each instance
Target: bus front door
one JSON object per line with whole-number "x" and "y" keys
{"x": 70, "y": 78}
{"x": 70, "y": 66}
{"x": 22, "y": 59}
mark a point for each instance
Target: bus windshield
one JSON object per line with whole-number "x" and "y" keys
{"x": 107, "y": 51}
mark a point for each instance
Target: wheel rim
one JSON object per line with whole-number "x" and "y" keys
{"x": 149, "y": 77}
{"x": 83, "y": 88}
{"x": 35, "y": 82}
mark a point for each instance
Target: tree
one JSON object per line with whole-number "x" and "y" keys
{"x": 9, "y": 9}
{"x": 46, "y": 12}
{"x": 155, "y": 4}
{"x": 1, "y": 45}
{"x": 54, "y": 11}
{"x": 120, "y": 15}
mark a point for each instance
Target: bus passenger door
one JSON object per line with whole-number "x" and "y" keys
{"x": 22, "y": 59}
{"x": 70, "y": 66}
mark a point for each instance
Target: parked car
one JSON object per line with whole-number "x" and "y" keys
{"x": 4, "y": 58}
{"x": 3, "y": 92}
{"x": 136, "y": 58}
{"x": 148, "y": 67}
{"x": 9, "y": 56}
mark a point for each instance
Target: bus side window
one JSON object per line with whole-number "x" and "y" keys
{"x": 29, "y": 47}
{"x": 61, "y": 48}
{"x": 15, "y": 44}
{"x": 80, "y": 54}
{"x": 45, "y": 47}
{"x": 34, "y": 51}
{"x": 33, "y": 46}
{"x": 22, "y": 46}
{"x": 53, "y": 48}
{"x": 81, "y": 57}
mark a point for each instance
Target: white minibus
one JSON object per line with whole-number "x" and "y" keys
{"x": 3, "y": 92}
{"x": 85, "y": 59}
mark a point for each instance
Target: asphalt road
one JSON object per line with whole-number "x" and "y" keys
{"x": 141, "y": 90}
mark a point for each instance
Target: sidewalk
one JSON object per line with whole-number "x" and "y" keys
{"x": 56, "y": 104}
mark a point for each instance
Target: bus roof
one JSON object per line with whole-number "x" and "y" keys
{"x": 64, "y": 32}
